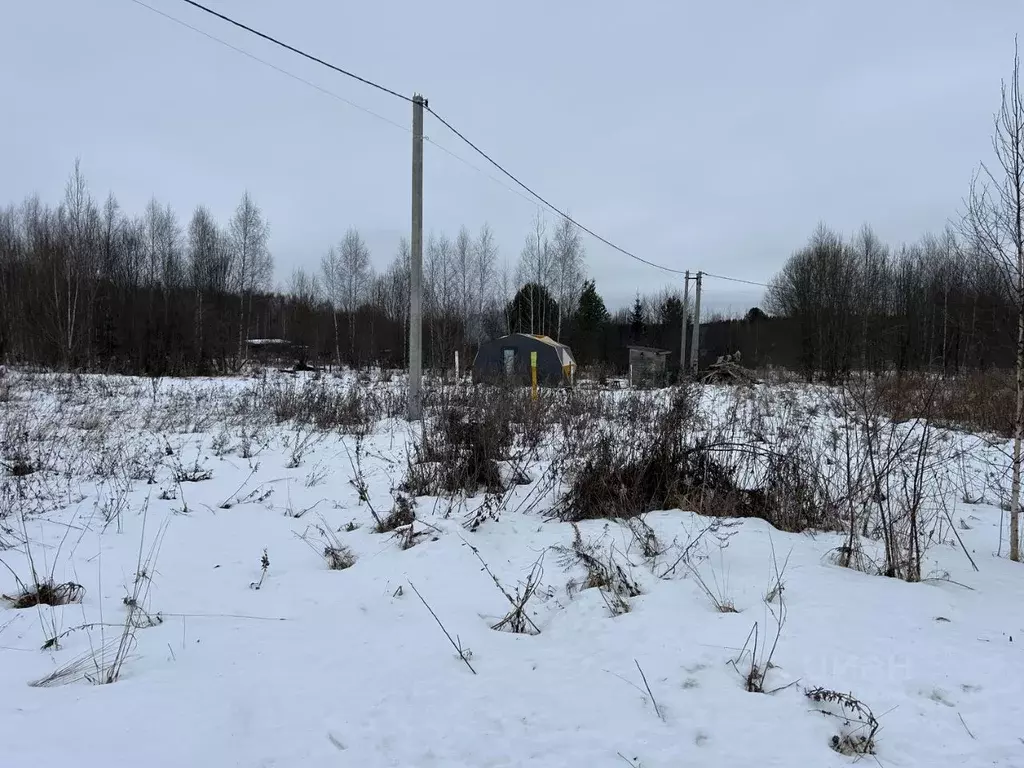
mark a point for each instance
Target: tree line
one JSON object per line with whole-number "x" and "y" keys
{"x": 858, "y": 304}
{"x": 89, "y": 286}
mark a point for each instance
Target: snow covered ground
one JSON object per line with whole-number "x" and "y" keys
{"x": 161, "y": 500}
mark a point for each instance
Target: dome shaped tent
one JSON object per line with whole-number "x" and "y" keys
{"x": 507, "y": 359}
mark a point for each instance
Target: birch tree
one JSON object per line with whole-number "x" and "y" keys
{"x": 330, "y": 279}
{"x": 355, "y": 276}
{"x": 252, "y": 263}
{"x": 208, "y": 263}
{"x": 467, "y": 302}
{"x": 79, "y": 226}
{"x": 440, "y": 277}
{"x": 535, "y": 266}
{"x": 567, "y": 270}
{"x": 485, "y": 255}
{"x": 346, "y": 275}
{"x": 994, "y": 223}
{"x": 396, "y": 294}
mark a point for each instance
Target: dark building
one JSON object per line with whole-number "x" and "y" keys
{"x": 508, "y": 359}
{"x": 647, "y": 363}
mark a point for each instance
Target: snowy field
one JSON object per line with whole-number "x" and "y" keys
{"x": 229, "y": 601}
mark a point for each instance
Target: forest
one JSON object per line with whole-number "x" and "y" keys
{"x": 89, "y": 286}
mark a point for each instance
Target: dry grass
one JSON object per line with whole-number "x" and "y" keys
{"x": 983, "y": 401}
{"x": 322, "y": 539}
{"x": 859, "y": 726}
{"x": 45, "y": 592}
{"x": 402, "y": 514}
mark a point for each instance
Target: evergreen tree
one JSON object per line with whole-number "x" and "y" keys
{"x": 533, "y": 304}
{"x": 670, "y": 312}
{"x": 591, "y": 318}
{"x": 637, "y": 321}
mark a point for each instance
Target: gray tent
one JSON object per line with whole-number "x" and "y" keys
{"x": 508, "y": 359}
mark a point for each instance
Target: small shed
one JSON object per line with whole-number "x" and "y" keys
{"x": 647, "y": 363}
{"x": 508, "y": 359}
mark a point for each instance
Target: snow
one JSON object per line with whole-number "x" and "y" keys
{"x": 322, "y": 668}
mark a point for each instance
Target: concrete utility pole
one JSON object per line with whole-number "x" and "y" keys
{"x": 415, "y": 406}
{"x": 695, "y": 341}
{"x": 686, "y": 312}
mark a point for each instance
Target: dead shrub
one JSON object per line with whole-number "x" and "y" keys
{"x": 603, "y": 572}
{"x": 657, "y": 454}
{"x": 20, "y": 465}
{"x": 403, "y": 513}
{"x": 45, "y": 592}
{"x": 191, "y": 474}
{"x": 328, "y": 545}
{"x": 459, "y": 452}
{"x": 859, "y": 724}
{"x": 517, "y": 621}
{"x": 982, "y": 401}
{"x": 316, "y": 403}
{"x": 901, "y": 470}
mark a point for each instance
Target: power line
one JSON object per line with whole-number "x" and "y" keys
{"x": 298, "y": 51}
{"x": 330, "y": 93}
{"x": 442, "y": 120}
{"x": 561, "y": 213}
{"x": 736, "y": 280}
{"x": 276, "y": 68}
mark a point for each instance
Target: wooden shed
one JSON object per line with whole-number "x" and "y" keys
{"x": 647, "y": 364}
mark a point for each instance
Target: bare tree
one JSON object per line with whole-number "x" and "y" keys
{"x": 251, "y": 260}
{"x": 111, "y": 227}
{"x": 153, "y": 218}
{"x": 172, "y": 268}
{"x": 346, "y": 276}
{"x": 994, "y": 223}
{"x": 209, "y": 258}
{"x": 330, "y": 280}
{"x": 440, "y": 277}
{"x": 304, "y": 286}
{"x": 209, "y": 263}
{"x": 396, "y": 292}
{"x": 567, "y": 268}
{"x": 536, "y": 266}
{"x": 464, "y": 264}
{"x": 485, "y": 253}
{"x": 79, "y": 229}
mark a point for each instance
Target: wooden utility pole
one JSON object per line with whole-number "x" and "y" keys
{"x": 686, "y": 312}
{"x": 695, "y": 341}
{"x": 415, "y": 405}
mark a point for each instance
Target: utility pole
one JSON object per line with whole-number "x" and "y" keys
{"x": 415, "y": 406}
{"x": 686, "y": 312}
{"x": 695, "y": 341}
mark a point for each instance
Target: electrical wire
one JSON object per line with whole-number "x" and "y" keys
{"x": 443, "y": 121}
{"x": 298, "y": 51}
{"x": 735, "y": 280}
{"x": 544, "y": 202}
{"x": 332, "y": 94}
{"x": 274, "y": 67}
{"x": 533, "y": 194}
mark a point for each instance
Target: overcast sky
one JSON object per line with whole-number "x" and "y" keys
{"x": 711, "y": 135}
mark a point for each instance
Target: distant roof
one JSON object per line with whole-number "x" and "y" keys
{"x": 545, "y": 339}
{"x": 539, "y": 337}
{"x": 655, "y": 350}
